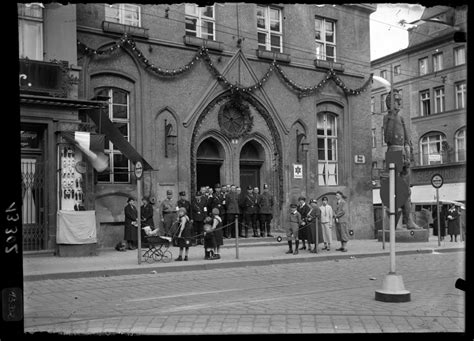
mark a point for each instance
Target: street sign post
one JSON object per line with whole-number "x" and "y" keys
{"x": 139, "y": 174}
{"x": 437, "y": 182}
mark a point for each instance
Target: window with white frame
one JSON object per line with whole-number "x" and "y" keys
{"x": 431, "y": 148}
{"x": 374, "y": 139}
{"x": 460, "y": 95}
{"x": 383, "y": 74}
{"x": 460, "y": 144}
{"x": 437, "y": 62}
{"x": 269, "y": 29}
{"x": 439, "y": 105}
{"x": 372, "y": 104}
{"x": 126, "y": 14}
{"x": 397, "y": 70}
{"x": 327, "y": 149}
{"x": 200, "y": 21}
{"x": 459, "y": 55}
{"x": 30, "y": 31}
{"x": 119, "y": 114}
{"x": 423, "y": 66}
{"x": 383, "y": 102}
{"x": 325, "y": 37}
{"x": 425, "y": 105}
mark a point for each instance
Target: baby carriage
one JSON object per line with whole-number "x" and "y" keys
{"x": 157, "y": 248}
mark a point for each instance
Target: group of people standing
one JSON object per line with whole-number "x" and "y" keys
{"x": 313, "y": 224}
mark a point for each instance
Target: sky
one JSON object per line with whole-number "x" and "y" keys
{"x": 386, "y": 35}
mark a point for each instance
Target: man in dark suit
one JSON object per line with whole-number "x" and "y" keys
{"x": 182, "y": 202}
{"x": 218, "y": 202}
{"x": 249, "y": 205}
{"x": 199, "y": 213}
{"x": 232, "y": 209}
{"x": 265, "y": 203}
{"x": 303, "y": 209}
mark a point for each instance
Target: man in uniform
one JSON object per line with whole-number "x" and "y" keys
{"x": 182, "y": 202}
{"x": 232, "y": 209}
{"x": 265, "y": 203}
{"x": 219, "y": 203}
{"x": 238, "y": 190}
{"x": 258, "y": 226}
{"x": 167, "y": 212}
{"x": 199, "y": 213}
{"x": 249, "y": 205}
{"x": 397, "y": 139}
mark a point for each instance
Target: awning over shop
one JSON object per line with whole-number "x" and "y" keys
{"x": 427, "y": 193}
{"x": 105, "y": 126}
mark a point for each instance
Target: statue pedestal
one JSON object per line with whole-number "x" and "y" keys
{"x": 406, "y": 236}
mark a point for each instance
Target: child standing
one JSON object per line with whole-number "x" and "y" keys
{"x": 209, "y": 239}
{"x": 292, "y": 230}
{"x": 184, "y": 234}
{"x": 218, "y": 233}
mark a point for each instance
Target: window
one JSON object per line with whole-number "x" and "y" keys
{"x": 118, "y": 112}
{"x": 460, "y": 145}
{"x": 397, "y": 70}
{"x": 200, "y": 21}
{"x": 439, "y": 100}
{"x": 425, "y": 103}
{"x": 461, "y": 95}
{"x": 423, "y": 66}
{"x": 30, "y": 31}
{"x": 327, "y": 149}
{"x": 269, "y": 30}
{"x": 383, "y": 74}
{"x": 125, "y": 14}
{"x": 325, "y": 36}
{"x": 383, "y": 137}
{"x": 383, "y": 103}
{"x": 431, "y": 149}
{"x": 374, "y": 139}
{"x": 437, "y": 62}
{"x": 460, "y": 55}
{"x": 374, "y": 164}
{"x": 372, "y": 104}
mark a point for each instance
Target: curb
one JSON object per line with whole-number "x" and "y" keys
{"x": 226, "y": 264}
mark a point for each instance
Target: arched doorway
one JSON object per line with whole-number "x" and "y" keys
{"x": 209, "y": 162}
{"x": 251, "y": 161}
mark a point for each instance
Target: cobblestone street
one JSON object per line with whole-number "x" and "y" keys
{"x": 334, "y": 296}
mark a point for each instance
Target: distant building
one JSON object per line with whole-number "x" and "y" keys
{"x": 431, "y": 73}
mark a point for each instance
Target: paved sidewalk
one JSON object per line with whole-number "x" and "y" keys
{"x": 252, "y": 251}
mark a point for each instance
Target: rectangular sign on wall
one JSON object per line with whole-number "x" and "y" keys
{"x": 297, "y": 171}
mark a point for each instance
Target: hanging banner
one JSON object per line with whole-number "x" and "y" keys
{"x": 297, "y": 171}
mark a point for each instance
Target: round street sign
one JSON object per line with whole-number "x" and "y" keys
{"x": 437, "y": 180}
{"x": 138, "y": 170}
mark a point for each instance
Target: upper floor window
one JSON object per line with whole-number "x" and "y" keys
{"x": 327, "y": 149}
{"x": 431, "y": 149}
{"x": 200, "y": 21}
{"x": 397, "y": 70}
{"x": 437, "y": 62}
{"x": 126, "y": 14}
{"x": 439, "y": 103}
{"x": 459, "y": 55}
{"x": 383, "y": 102}
{"x": 325, "y": 36}
{"x": 30, "y": 31}
{"x": 460, "y": 144}
{"x": 383, "y": 137}
{"x": 372, "y": 104}
{"x": 374, "y": 139}
{"x": 119, "y": 114}
{"x": 269, "y": 30}
{"x": 425, "y": 105}
{"x": 383, "y": 74}
{"x": 423, "y": 66}
{"x": 460, "y": 95}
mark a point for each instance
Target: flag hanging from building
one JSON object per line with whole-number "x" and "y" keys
{"x": 92, "y": 145}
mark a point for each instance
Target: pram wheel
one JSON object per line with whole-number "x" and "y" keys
{"x": 166, "y": 256}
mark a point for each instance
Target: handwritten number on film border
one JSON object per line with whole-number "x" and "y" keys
{"x": 12, "y": 239}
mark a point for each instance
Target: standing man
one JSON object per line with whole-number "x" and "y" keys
{"x": 238, "y": 190}
{"x": 326, "y": 223}
{"x": 167, "y": 212}
{"x": 256, "y": 194}
{"x": 218, "y": 202}
{"x": 249, "y": 205}
{"x": 265, "y": 203}
{"x": 199, "y": 213}
{"x": 232, "y": 209}
{"x": 341, "y": 218}
{"x": 182, "y": 202}
{"x": 303, "y": 209}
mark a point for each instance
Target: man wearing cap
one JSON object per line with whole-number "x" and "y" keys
{"x": 265, "y": 214}
{"x": 218, "y": 201}
{"x": 182, "y": 202}
{"x": 292, "y": 229}
{"x": 249, "y": 205}
{"x": 199, "y": 213}
{"x": 341, "y": 218}
{"x": 240, "y": 195}
{"x": 232, "y": 209}
{"x": 167, "y": 212}
{"x": 130, "y": 231}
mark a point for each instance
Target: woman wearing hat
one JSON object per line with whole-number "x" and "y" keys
{"x": 184, "y": 234}
{"x": 453, "y": 222}
{"x": 146, "y": 212}
{"x": 130, "y": 231}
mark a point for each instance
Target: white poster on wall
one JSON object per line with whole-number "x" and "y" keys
{"x": 297, "y": 171}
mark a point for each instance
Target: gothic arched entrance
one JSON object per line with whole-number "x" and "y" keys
{"x": 251, "y": 161}
{"x": 209, "y": 160}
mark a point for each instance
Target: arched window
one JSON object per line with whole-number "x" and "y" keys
{"x": 460, "y": 144}
{"x": 119, "y": 114}
{"x": 327, "y": 149}
{"x": 431, "y": 149}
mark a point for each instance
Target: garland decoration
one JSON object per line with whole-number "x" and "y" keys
{"x": 127, "y": 42}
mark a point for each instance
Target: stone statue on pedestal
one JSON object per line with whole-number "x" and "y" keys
{"x": 397, "y": 138}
